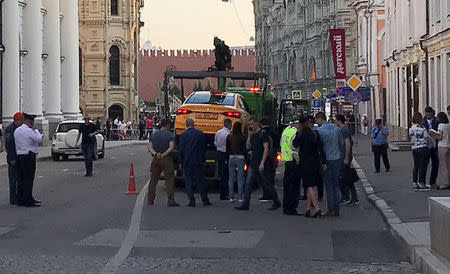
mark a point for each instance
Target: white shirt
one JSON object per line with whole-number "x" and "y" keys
{"x": 116, "y": 122}
{"x": 220, "y": 139}
{"x": 445, "y": 128}
{"x": 27, "y": 140}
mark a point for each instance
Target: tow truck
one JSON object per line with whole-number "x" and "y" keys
{"x": 210, "y": 166}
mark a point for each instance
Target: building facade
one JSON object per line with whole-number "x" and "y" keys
{"x": 406, "y": 64}
{"x": 293, "y": 46}
{"x": 40, "y": 61}
{"x": 108, "y": 46}
{"x": 437, "y": 44}
{"x": 370, "y": 65}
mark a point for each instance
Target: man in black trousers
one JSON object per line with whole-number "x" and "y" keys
{"x": 430, "y": 122}
{"x": 192, "y": 157}
{"x": 27, "y": 139}
{"x": 11, "y": 156}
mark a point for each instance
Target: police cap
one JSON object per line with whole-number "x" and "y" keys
{"x": 29, "y": 117}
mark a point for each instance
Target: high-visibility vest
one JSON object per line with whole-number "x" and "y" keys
{"x": 286, "y": 144}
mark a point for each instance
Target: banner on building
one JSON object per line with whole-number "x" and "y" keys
{"x": 337, "y": 40}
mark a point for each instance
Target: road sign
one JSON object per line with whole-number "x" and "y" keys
{"x": 354, "y": 97}
{"x": 288, "y": 96}
{"x": 317, "y": 103}
{"x": 354, "y": 82}
{"x": 297, "y": 94}
{"x": 317, "y": 94}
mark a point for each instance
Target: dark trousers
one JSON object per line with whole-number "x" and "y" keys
{"x": 421, "y": 159}
{"x": 381, "y": 151}
{"x": 222, "y": 162}
{"x": 141, "y": 134}
{"x": 26, "y": 168}
{"x": 331, "y": 181}
{"x": 270, "y": 171}
{"x": 291, "y": 187}
{"x": 434, "y": 165}
{"x": 88, "y": 154}
{"x": 263, "y": 179}
{"x": 320, "y": 189}
{"x": 12, "y": 174}
{"x": 193, "y": 178}
{"x": 148, "y": 133}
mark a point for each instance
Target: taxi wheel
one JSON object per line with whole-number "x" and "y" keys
{"x": 55, "y": 157}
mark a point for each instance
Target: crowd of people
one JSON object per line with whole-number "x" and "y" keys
{"x": 316, "y": 152}
{"x": 430, "y": 138}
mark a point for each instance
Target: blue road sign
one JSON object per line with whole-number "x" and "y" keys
{"x": 317, "y": 103}
{"x": 346, "y": 91}
{"x": 354, "y": 97}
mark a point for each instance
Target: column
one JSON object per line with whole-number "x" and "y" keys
{"x": 11, "y": 59}
{"x": 32, "y": 71}
{"x": 52, "y": 64}
{"x": 69, "y": 67}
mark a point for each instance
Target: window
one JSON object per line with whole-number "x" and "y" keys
{"x": 80, "y": 67}
{"x": 207, "y": 98}
{"x": 114, "y": 7}
{"x": 114, "y": 66}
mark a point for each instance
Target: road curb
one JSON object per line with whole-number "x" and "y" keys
{"x": 44, "y": 158}
{"x": 419, "y": 254}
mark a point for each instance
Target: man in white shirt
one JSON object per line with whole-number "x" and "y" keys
{"x": 220, "y": 141}
{"x": 27, "y": 139}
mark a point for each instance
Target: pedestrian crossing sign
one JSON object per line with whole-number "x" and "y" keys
{"x": 297, "y": 94}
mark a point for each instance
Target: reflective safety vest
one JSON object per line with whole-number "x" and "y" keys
{"x": 287, "y": 150}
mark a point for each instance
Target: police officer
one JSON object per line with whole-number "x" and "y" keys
{"x": 27, "y": 139}
{"x": 292, "y": 175}
{"x": 11, "y": 156}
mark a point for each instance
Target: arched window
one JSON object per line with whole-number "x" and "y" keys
{"x": 114, "y": 7}
{"x": 114, "y": 66}
{"x": 80, "y": 67}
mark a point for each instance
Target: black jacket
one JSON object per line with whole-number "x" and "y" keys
{"x": 192, "y": 148}
{"x": 10, "y": 144}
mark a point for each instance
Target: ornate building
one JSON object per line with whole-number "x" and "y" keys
{"x": 293, "y": 46}
{"x": 109, "y": 39}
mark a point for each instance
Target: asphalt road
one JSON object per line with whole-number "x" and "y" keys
{"x": 83, "y": 222}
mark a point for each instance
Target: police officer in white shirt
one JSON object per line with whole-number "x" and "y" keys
{"x": 27, "y": 139}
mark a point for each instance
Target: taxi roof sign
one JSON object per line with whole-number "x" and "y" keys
{"x": 354, "y": 82}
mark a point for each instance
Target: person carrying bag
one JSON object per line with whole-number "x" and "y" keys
{"x": 379, "y": 136}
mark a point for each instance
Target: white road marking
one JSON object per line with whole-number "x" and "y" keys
{"x": 39, "y": 177}
{"x": 130, "y": 238}
{"x": 65, "y": 170}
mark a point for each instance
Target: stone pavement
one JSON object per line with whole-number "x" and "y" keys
{"x": 45, "y": 151}
{"x": 403, "y": 208}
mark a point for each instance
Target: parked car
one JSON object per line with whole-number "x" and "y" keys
{"x": 64, "y": 141}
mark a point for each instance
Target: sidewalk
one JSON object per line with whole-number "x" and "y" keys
{"x": 405, "y": 210}
{"x": 45, "y": 152}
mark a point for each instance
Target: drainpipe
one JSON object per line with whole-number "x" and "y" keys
{"x": 2, "y": 49}
{"x": 368, "y": 15}
{"x": 427, "y": 33}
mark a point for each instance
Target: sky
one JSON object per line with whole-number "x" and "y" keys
{"x": 192, "y": 24}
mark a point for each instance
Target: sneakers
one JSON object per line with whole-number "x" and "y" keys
{"x": 232, "y": 200}
{"x": 425, "y": 187}
{"x": 353, "y": 203}
{"x": 264, "y": 199}
{"x": 416, "y": 186}
{"x": 241, "y": 200}
{"x": 344, "y": 202}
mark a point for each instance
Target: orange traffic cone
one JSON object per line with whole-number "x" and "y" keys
{"x": 131, "y": 184}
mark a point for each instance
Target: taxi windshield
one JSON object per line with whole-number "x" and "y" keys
{"x": 214, "y": 99}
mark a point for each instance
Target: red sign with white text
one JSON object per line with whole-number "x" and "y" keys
{"x": 337, "y": 40}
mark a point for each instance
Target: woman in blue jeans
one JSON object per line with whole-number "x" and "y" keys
{"x": 236, "y": 142}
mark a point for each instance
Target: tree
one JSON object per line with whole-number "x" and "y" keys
{"x": 243, "y": 84}
{"x": 176, "y": 91}
{"x": 231, "y": 84}
{"x": 208, "y": 86}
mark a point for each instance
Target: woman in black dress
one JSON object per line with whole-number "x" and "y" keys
{"x": 312, "y": 159}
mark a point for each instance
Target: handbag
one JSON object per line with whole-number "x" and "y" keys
{"x": 348, "y": 176}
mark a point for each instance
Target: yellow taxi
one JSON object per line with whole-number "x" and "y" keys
{"x": 209, "y": 109}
